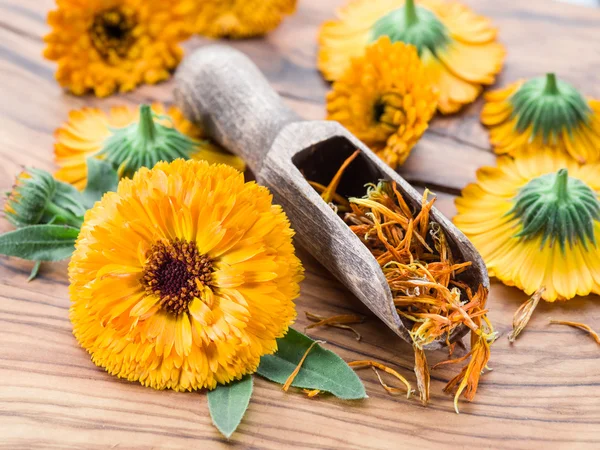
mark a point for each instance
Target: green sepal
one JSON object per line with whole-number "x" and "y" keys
{"x": 228, "y": 404}
{"x": 322, "y": 369}
{"x": 101, "y": 178}
{"x": 549, "y": 106}
{"x": 145, "y": 143}
{"x": 40, "y": 242}
{"x": 560, "y": 208}
{"x": 38, "y": 198}
{"x": 413, "y": 25}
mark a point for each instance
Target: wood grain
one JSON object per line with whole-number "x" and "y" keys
{"x": 544, "y": 391}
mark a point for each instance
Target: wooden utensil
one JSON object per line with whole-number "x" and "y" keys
{"x": 221, "y": 89}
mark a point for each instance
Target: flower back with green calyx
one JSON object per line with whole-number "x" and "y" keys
{"x": 549, "y": 106}
{"x": 38, "y": 198}
{"x": 413, "y": 25}
{"x": 559, "y": 208}
{"x": 145, "y": 143}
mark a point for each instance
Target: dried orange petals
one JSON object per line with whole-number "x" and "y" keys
{"x": 376, "y": 365}
{"x": 340, "y": 321}
{"x": 524, "y": 313}
{"x": 329, "y": 192}
{"x": 311, "y": 393}
{"x": 422, "y": 373}
{"x": 293, "y": 375}
{"x": 581, "y": 326}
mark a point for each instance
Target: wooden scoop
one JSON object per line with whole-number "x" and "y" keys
{"x": 221, "y": 89}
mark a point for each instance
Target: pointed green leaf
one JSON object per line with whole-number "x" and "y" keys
{"x": 322, "y": 369}
{"x": 34, "y": 271}
{"x": 40, "y": 242}
{"x": 228, "y": 404}
{"x": 101, "y": 178}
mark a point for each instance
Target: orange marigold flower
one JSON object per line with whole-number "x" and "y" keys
{"x": 108, "y": 45}
{"x": 458, "y": 48}
{"x": 385, "y": 99}
{"x": 184, "y": 277}
{"x": 237, "y": 18}
{"x": 87, "y": 130}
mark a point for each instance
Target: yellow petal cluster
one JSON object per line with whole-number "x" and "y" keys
{"x": 384, "y": 99}
{"x": 467, "y": 58}
{"x": 114, "y": 45}
{"x": 484, "y": 215}
{"x": 184, "y": 277}
{"x": 87, "y": 128}
{"x": 237, "y": 18}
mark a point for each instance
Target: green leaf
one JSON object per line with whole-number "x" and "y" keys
{"x": 228, "y": 404}
{"x": 40, "y": 242}
{"x": 101, "y": 178}
{"x": 34, "y": 271}
{"x": 322, "y": 369}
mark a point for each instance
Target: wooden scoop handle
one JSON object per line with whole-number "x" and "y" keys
{"x": 222, "y": 89}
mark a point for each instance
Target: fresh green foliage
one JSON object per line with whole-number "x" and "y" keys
{"x": 40, "y": 242}
{"x": 558, "y": 207}
{"x": 38, "y": 198}
{"x": 34, "y": 271}
{"x": 549, "y": 106}
{"x": 322, "y": 369}
{"x": 101, "y": 178}
{"x": 228, "y": 404}
{"x": 413, "y": 25}
{"x": 145, "y": 143}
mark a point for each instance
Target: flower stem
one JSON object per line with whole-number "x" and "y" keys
{"x": 410, "y": 13}
{"x": 146, "y": 126}
{"x": 561, "y": 184}
{"x": 551, "y": 85}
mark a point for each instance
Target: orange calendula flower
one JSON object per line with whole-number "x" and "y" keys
{"x": 109, "y": 45}
{"x": 384, "y": 99}
{"x": 541, "y": 114}
{"x": 458, "y": 48}
{"x": 237, "y": 18}
{"x": 184, "y": 277}
{"x": 535, "y": 220}
{"x": 88, "y": 130}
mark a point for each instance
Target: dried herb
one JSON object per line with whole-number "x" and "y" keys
{"x": 581, "y": 326}
{"x": 524, "y": 313}
{"x": 341, "y": 321}
{"x": 375, "y": 365}
{"x": 292, "y": 376}
{"x": 423, "y": 277}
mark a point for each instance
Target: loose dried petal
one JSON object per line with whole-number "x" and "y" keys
{"x": 581, "y": 326}
{"x": 376, "y": 365}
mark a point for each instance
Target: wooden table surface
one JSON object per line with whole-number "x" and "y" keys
{"x": 544, "y": 391}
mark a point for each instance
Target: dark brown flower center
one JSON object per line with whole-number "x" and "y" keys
{"x": 111, "y": 33}
{"x": 388, "y": 111}
{"x": 176, "y": 272}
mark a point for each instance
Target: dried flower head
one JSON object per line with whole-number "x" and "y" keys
{"x": 384, "y": 98}
{"x": 184, "y": 277}
{"x": 458, "y": 48}
{"x": 130, "y": 138}
{"x": 543, "y": 114}
{"x": 109, "y": 45}
{"x": 237, "y": 18}
{"x": 535, "y": 220}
